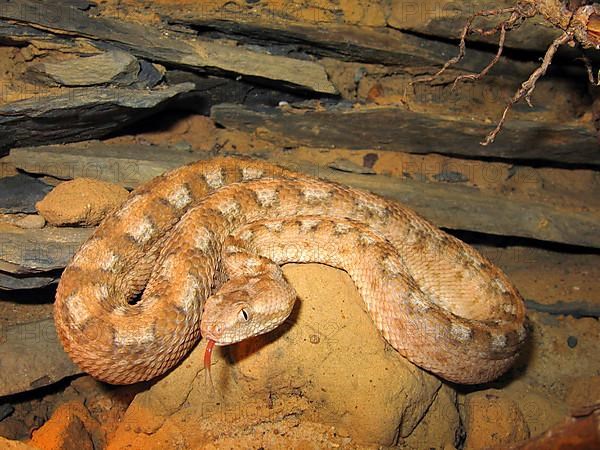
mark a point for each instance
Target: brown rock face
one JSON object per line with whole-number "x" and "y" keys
{"x": 82, "y": 201}
{"x": 493, "y": 421}
{"x": 325, "y": 376}
{"x": 68, "y": 429}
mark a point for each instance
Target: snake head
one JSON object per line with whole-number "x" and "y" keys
{"x": 246, "y": 307}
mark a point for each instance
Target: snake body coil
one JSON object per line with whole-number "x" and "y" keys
{"x": 129, "y": 305}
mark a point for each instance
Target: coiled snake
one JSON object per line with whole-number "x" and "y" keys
{"x": 209, "y": 235}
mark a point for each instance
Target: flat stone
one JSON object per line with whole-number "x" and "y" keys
{"x": 123, "y": 164}
{"x": 277, "y": 31}
{"x": 11, "y": 281}
{"x": 447, "y": 18}
{"x": 6, "y": 410}
{"x": 449, "y": 205}
{"x": 369, "y": 128}
{"x": 37, "y": 251}
{"x": 155, "y": 45}
{"x": 113, "y": 67}
{"x": 19, "y": 193}
{"x": 80, "y": 113}
{"x": 31, "y": 356}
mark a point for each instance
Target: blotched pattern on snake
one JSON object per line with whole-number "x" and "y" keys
{"x": 129, "y": 306}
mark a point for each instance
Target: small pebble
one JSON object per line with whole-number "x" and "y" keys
{"x": 31, "y": 222}
{"x": 572, "y": 341}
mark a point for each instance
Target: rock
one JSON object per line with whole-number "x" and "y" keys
{"x": 326, "y": 365}
{"x": 106, "y": 403}
{"x": 574, "y": 308}
{"x": 68, "y": 429}
{"x": 446, "y": 19}
{"x": 113, "y": 67}
{"x": 31, "y": 222}
{"x": 34, "y": 252}
{"x": 14, "y": 429}
{"x": 85, "y": 402}
{"x": 6, "y": 409}
{"x": 79, "y": 113}
{"x": 364, "y": 128}
{"x": 550, "y": 362}
{"x": 33, "y": 410}
{"x": 213, "y": 90}
{"x": 19, "y": 193}
{"x": 7, "y": 169}
{"x": 123, "y": 164}
{"x": 450, "y": 205}
{"x": 583, "y": 393}
{"x": 83, "y": 201}
{"x": 10, "y": 282}
{"x": 440, "y": 427}
{"x": 165, "y": 47}
{"x": 31, "y": 357}
{"x": 492, "y": 420}
{"x": 7, "y": 444}
{"x": 277, "y": 27}
{"x": 539, "y": 409}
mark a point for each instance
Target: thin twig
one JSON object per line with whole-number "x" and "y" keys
{"x": 528, "y": 86}
{"x": 487, "y": 68}
{"x": 514, "y": 21}
{"x": 590, "y": 71}
{"x": 462, "y": 46}
{"x": 503, "y": 27}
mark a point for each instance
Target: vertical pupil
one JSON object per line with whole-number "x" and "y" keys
{"x": 245, "y": 314}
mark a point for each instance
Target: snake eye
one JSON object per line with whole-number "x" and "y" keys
{"x": 244, "y": 314}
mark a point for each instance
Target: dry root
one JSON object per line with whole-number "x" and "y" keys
{"x": 578, "y": 21}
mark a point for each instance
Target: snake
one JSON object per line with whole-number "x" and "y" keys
{"x": 197, "y": 253}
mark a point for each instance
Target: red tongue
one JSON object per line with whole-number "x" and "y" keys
{"x": 208, "y": 354}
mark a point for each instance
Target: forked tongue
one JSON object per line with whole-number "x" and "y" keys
{"x": 210, "y": 344}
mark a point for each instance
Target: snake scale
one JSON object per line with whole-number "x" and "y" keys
{"x": 129, "y": 305}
